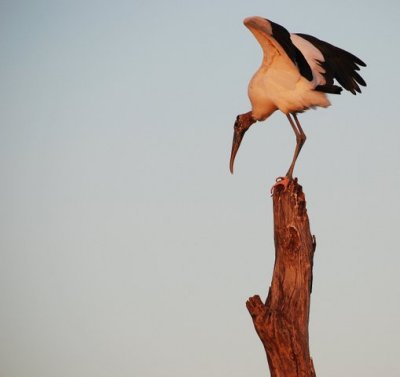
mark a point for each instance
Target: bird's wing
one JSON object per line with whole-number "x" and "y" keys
{"x": 275, "y": 39}
{"x": 338, "y": 64}
{"x": 282, "y": 36}
{"x": 314, "y": 59}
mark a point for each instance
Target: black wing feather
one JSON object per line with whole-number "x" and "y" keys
{"x": 339, "y": 64}
{"x": 283, "y": 38}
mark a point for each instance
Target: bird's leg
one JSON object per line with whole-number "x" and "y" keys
{"x": 303, "y": 135}
{"x": 242, "y": 124}
{"x": 300, "y": 140}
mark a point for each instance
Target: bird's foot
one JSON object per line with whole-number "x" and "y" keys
{"x": 281, "y": 181}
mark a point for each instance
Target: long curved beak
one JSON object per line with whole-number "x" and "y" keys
{"x": 237, "y": 139}
{"x": 242, "y": 124}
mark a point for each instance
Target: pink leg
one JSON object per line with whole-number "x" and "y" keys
{"x": 300, "y": 140}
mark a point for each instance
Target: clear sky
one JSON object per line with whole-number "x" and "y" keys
{"x": 127, "y": 248}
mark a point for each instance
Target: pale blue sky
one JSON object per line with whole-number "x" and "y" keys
{"x": 127, "y": 248}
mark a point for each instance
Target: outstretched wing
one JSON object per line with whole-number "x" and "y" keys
{"x": 282, "y": 36}
{"x": 271, "y": 34}
{"x": 338, "y": 64}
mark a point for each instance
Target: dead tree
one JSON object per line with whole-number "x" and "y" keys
{"x": 282, "y": 322}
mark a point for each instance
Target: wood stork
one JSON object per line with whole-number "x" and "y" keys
{"x": 297, "y": 72}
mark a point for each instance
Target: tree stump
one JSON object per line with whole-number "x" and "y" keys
{"x": 282, "y": 322}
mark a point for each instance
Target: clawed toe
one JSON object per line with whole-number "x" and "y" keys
{"x": 280, "y": 181}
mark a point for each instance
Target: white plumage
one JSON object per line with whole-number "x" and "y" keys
{"x": 313, "y": 56}
{"x": 278, "y": 83}
{"x": 296, "y": 73}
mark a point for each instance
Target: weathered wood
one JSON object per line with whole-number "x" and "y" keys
{"x": 282, "y": 322}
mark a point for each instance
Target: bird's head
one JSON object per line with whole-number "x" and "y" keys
{"x": 242, "y": 124}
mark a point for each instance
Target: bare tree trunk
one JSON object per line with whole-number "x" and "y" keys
{"x": 282, "y": 322}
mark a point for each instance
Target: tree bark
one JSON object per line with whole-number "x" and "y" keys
{"x": 282, "y": 322}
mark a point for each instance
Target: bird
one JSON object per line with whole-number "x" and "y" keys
{"x": 296, "y": 74}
